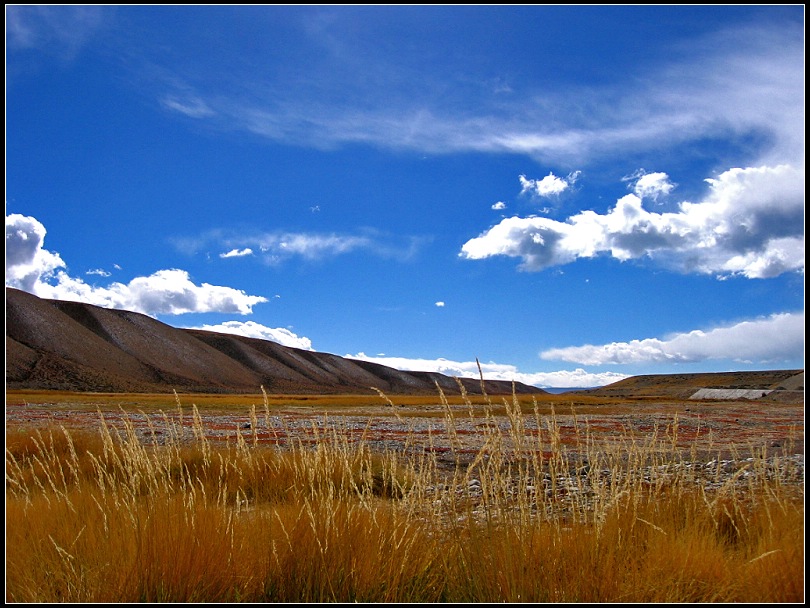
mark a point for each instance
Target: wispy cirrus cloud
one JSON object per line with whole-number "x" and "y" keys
{"x": 32, "y": 268}
{"x": 312, "y": 246}
{"x": 774, "y": 339}
{"x": 278, "y": 246}
{"x": 59, "y": 30}
{"x": 193, "y": 107}
{"x": 328, "y": 90}
{"x": 749, "y": 223}
{"x": 746, "y": 80}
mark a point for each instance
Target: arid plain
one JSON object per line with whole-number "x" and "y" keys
{"x": 448, "y": 425}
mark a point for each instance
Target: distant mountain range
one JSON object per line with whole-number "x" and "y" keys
{"x": 71, "y": 346}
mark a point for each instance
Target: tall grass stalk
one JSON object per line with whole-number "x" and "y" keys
{"x": 541, "y": 512}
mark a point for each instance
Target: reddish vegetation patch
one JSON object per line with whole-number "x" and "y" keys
{"x": 726, "y": 427}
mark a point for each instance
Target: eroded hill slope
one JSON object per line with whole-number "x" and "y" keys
{"x": 59, "y": 345}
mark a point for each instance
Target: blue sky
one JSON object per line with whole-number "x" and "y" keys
{"x": 569, "y": 194}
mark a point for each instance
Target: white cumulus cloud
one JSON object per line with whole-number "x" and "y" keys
{"x": 26, "y": 260}
{"x": 550, "y": 185}
{"x": 750, "y": 223}
{"x": 100, "y": 272}
{"x": 499, "y": 205}
{"x": 650, "y": 185}
{"x": 32, "y": 268}
{"x": 237, "y": 253}
{"x": 777, "y": 338}
{"x": 251, "y": 329}
{"x": 169, "y": 291}
{"x": 578, "y": 378}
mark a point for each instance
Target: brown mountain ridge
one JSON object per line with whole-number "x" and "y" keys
{"x": 774, "y": 386}
{"x": 72, "y": 346}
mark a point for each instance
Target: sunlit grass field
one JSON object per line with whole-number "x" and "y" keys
{"x": 110, "y": 514}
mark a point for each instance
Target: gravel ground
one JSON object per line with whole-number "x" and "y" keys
{"x": 710, "y": 430}
{"x": 721, "y": 445}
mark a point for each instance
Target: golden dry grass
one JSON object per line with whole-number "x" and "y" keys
{"x": 111, "y": 516}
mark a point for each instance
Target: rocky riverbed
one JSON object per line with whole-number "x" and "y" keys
{"x": 710, "y": 436}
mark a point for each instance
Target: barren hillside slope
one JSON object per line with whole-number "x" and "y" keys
{"x": 784, "y": 384}
{"x": 57, "y": 345}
